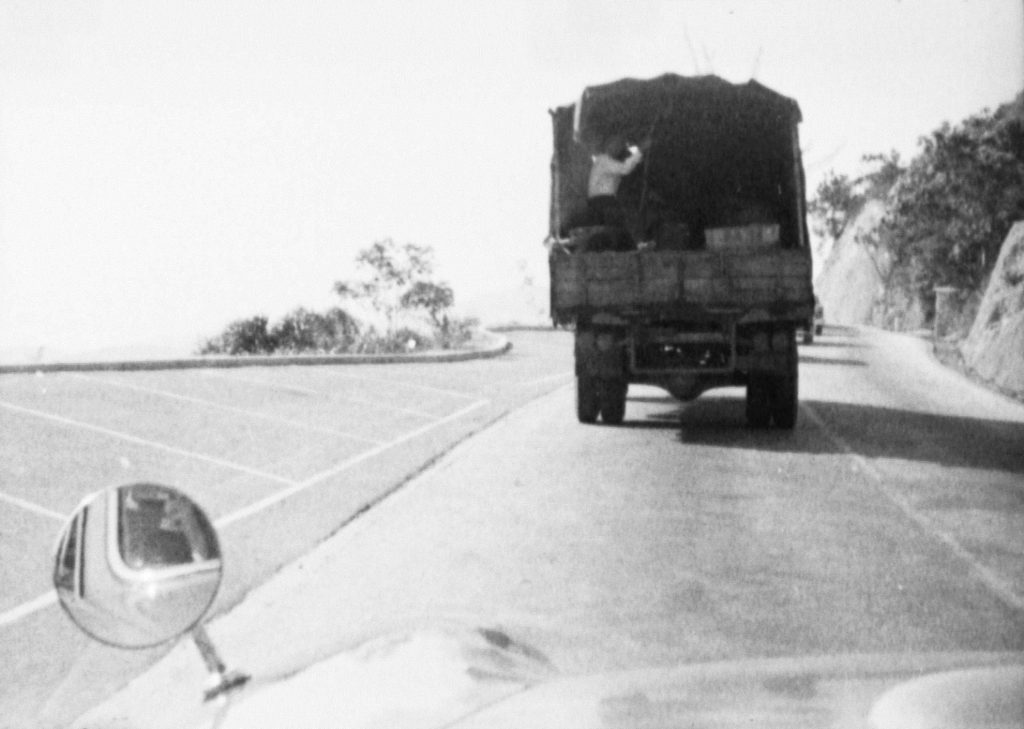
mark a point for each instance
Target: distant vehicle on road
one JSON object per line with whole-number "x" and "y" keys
{"x": 816, "y": 324}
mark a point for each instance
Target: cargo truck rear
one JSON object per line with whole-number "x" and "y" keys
{"x": 707, "y": 279}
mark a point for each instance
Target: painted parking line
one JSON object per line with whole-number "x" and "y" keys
{"x": 994, "y": 582}
{"x": 334, "y": 470}
{"x": 322, "y": 393}
{"x": 228, "y": 408}
{"x": 400, "y": 383}
{"x": 394, "y": 408}
{"x": 34, "y": 508}
{"x": 50, "y": 598}
{"x": 546, "y": 380}
{"x": 262, "y": 383}
{"x": 147, "y": 443}
{"x": 28, "y": 608}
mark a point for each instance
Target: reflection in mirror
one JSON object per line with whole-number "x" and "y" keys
{"x": 137, "y": 565}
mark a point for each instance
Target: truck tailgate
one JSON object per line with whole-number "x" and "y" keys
{"x": 776, "y": 280}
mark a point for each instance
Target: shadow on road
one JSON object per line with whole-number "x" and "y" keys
{"x": 870, "y": 431}
{"x": 838, "y": 343}
{"x": 811, "y": 359}
{"x": 839, "y": 330}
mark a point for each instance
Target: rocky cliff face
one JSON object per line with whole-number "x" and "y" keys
{"x": 851, "y": 290}
{"x": 849, "y": 282}
{"x": 994, "y": 349}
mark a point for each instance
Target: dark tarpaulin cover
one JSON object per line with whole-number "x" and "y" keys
{"x": 633, "y": 106}
{"x": 714, "y": 144}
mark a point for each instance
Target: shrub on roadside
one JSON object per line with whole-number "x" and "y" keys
{"x": 395, "y": 283}
{"x": 302, "y": 330}
{"x": 244, "y": 336}
{"x": 455, "y": 332}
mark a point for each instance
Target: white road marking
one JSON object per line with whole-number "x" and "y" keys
{"x": 262, "y": 383}
{"x": 321, "y": 393}
{"x": 1000, "y": 587}
{"x": 400, "y": 383}
{"x": 315, "y": 479}
{"x": 148, "y": 443}
{"x": 34, "y": 508}
{"x": 545, "y": 380}
{"x": 50, "y": 598}
{"x": 228, "y": 408}
{"x": 28, "y": 608}
{"x": 384, "y": 406}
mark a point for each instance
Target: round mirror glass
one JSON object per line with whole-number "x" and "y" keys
{"x": 137, "y": 565}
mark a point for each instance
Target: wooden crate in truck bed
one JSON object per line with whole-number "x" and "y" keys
{"x": 589, "y": 282}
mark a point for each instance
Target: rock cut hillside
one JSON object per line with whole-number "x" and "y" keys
{"x": 994, "y": 349}
{"x": 849, "y": 282}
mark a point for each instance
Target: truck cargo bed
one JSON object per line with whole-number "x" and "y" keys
{"x": 777, "y": 281}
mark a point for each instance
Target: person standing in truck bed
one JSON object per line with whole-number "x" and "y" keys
{"x": 612, "y": 162}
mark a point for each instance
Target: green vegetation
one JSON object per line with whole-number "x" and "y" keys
{"x": 396, "y": 284}
{"x": 947, "y": 211}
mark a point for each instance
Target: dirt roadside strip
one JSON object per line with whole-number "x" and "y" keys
{"x": 493, "y": 345}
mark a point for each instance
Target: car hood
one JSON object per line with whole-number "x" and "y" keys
{"x": 482, "y": 678}
{"x": 934, "y": 691}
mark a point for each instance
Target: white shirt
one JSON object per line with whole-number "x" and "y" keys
{"x": 607, "y": 172}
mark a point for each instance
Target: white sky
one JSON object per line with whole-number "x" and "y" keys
{"x": 167, "y": 167}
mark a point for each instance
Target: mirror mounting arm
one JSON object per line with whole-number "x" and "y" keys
{"x": 224, "y": 681}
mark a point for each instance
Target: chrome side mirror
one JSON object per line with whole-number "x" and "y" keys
{"x": 139, "y": 565}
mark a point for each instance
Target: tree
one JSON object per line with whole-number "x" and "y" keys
{"x": 435, "y": 299}
{"x": 877, "y": 183}
{"x": 956, "y": 201}
{"x": 834, "y": 204}
{"x": 390, "y": 269}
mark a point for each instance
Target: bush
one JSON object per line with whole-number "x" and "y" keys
{"x": 244, "y": 336}
{"x": 455, "y": 332}
{"x": 302, "y": 330}
{"x": 955, "y": 203}
{"x": 395, "y": 282}
{"x": 400, "y": 340}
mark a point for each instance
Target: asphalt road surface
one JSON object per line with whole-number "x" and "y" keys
{"x": 279, "y": 457}
{"x": 891, "y": 519}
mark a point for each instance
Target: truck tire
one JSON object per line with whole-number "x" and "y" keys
{"x": 783, "y": 394}
{"x": 588, "y": 401}
{"x": 759, "y": 413}
{"x": 613, "y": 401}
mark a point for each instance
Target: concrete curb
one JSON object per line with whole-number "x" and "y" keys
{"x": 499, "y": 346}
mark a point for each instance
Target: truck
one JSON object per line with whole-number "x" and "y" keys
{"x": 708, "y": 278}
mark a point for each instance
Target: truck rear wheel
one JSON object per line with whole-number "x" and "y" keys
{"x": 759, "y": 413}
{"x": 613, "y": 401}
{"x": 783, "y": 395}
{"x": 588, "y": 400}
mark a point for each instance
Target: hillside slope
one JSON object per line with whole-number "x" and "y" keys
{"x": 849, "y": 282}
{"x": 994, "y": 349}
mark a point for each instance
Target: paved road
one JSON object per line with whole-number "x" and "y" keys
{"x": 279, "y": 457}
{"x": 891, "y": 519}
{"x": 889, "y": 523}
